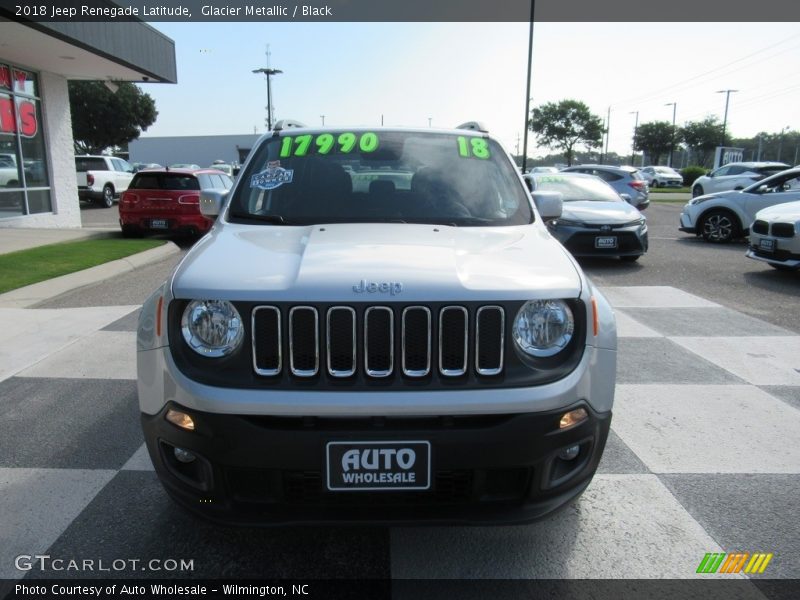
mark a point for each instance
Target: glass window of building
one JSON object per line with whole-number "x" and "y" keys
{"x": 24, "y": 178}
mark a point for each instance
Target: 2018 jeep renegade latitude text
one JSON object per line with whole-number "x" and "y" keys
{"x": 379, "y": 327}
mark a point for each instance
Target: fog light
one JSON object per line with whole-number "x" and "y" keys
{"x": 568, "y": 453}
{"x": 182, "y": 420}
{"x": 185, "y": 456}
{"x": 572, "y": 418}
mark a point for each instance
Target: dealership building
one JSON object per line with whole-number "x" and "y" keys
{"x": 38, "y": 185}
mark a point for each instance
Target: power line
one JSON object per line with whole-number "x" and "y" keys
{"x": 682, "y": 84}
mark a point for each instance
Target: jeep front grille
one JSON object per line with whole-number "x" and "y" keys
{"x": 381, "y": 340}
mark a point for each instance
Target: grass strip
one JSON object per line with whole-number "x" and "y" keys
{"x": 18, "y": 269}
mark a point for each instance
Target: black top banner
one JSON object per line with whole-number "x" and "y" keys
{"x": 632, "y": 11}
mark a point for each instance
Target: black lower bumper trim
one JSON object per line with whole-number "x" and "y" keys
{"x": 272, "y": 470}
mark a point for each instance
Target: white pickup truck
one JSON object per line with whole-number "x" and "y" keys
{"x": 102, "y": 178}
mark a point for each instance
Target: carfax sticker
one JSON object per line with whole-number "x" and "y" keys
{"x": 274, "y": 176}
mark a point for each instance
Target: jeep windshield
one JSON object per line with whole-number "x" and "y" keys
{"x": 359, "y": 176}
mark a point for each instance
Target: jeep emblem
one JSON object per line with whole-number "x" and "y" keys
{"x": 384, "y": 287}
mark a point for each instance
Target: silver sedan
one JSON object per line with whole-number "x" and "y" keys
{"x": 596, "y": 221}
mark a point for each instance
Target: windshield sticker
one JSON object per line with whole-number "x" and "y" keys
{"x": 325, "y": 143}
{"x": 477, "y": 147}
{"x": 274, "y": 176}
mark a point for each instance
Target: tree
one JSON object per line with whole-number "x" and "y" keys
{"x": 565, "y": 124}
{"x": 102, "y": 118}
{"x": 701, "y": 137}
{"x": 655, "y": 139}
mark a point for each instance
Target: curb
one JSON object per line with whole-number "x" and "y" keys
{"x": 29, "y": 295}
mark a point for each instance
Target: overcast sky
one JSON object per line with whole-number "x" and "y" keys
{"x": 455, "y": 72}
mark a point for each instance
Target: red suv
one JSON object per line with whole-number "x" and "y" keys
{"x": 168, "y": 201}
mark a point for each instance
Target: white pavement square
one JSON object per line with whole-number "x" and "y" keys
{"x": 29, "y": 335}
{"x": 627, "y": 326}
{"x": 758, "y": 360}
{"x": 708, "y": 428}
{"x": 623, "y": 527}
{"x": 653, "y": 296}
{"x": 37, "y": 505}
{"x": 140, "y": 461}
{"x": 101, "y": 355}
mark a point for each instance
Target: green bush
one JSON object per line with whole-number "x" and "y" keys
{"x": 692, "y": 173}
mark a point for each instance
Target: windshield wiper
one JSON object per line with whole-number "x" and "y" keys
{"x": 275, "y": 219}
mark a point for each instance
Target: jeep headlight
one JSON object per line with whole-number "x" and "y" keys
{"x": 212, "y": 328}
{"x": 543, "y": 327}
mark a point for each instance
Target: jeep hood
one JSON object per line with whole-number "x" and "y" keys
{"x": 323, "y": 263}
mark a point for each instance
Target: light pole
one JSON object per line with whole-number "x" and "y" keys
{"x": 269, "y": 73}
{"x": 528, "y": 90}
{"x": 780, "y": 143}
{"x": 635, "y": 128}
{"x": 608, "y": 132}
{"x": 323, "y": 119}
{"x": 725, "y": 118}
{"x": 674, "y": 106}
{"x": 429, "y": 121}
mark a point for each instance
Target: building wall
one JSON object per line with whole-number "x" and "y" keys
{"x": 60, "y": 157}
{"x": 198, "y": 149}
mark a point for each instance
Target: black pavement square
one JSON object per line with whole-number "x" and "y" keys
{"x": 129, "y": 322}
{"x": 788, "y": 393}
{"x": 68, "y": 423}
{"x": 703, "y": 322}
{"x": 746, "y": 513}
{"x": 618, "y": 458}
{"x": 659, "y": 360}
{"x": 133, "y": 518}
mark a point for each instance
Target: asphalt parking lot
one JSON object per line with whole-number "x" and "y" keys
{"x": 700, "y": 459}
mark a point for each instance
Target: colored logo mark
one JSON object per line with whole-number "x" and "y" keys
{"x": 734, "y": 562}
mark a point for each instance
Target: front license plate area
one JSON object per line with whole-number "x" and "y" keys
{"x": 159, "y": 224}
{"x": 766, "y": 245}
{"x": 378, "y": 466}
{"x": 605, "y": 242}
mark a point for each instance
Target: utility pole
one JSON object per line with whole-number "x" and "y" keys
{"x": 528, "y": 90}
{"x": 608, "y": 131}
{"x": 429, "y": 121}
{"x": 780, "y": 143}
{"x": 725, "y": 118}
{"x": 381, "y": 120}
{"x": 635, "y": 128}
{"x": 674, "y": 106}
{"x": 758, "y": 158}
{"x": 323, "y": 119}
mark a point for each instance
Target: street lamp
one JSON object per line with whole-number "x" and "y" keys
{"x": 674, "y": 106}
{"x": 269, "y": 73}
{"x": 635, "y": 129}
{"x": 725, "y": 118}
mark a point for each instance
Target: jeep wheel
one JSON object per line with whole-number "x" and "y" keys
{"x": 697, "y": 191}
{"x": 719, "y": 227}
{"x": 108, "y": 196}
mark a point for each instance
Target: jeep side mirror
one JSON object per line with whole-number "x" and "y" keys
{"x": 549, "y": 204}
{"x": 212, "y": 201}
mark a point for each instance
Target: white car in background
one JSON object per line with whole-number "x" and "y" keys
{"x": 726, "y": 216}
{"x": 775, "y": 236}
{"x": 662, "y": 177}
{"x": 735, "y": 176}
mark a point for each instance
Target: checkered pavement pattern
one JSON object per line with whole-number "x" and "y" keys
{"x": 703, "y": 457}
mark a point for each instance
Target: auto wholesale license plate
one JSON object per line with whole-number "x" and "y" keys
{"x": 605, "y": 242}
{"x": 370, "y": 466}
{"x": 766, "y": 245}
{"x": 158, "y": 224}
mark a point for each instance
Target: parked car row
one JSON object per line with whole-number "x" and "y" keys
{"x": 768, "y": 211}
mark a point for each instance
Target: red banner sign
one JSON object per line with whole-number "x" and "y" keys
{"x": 28, "y": 127}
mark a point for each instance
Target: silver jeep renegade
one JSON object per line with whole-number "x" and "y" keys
{"x": 379, "y": 327}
